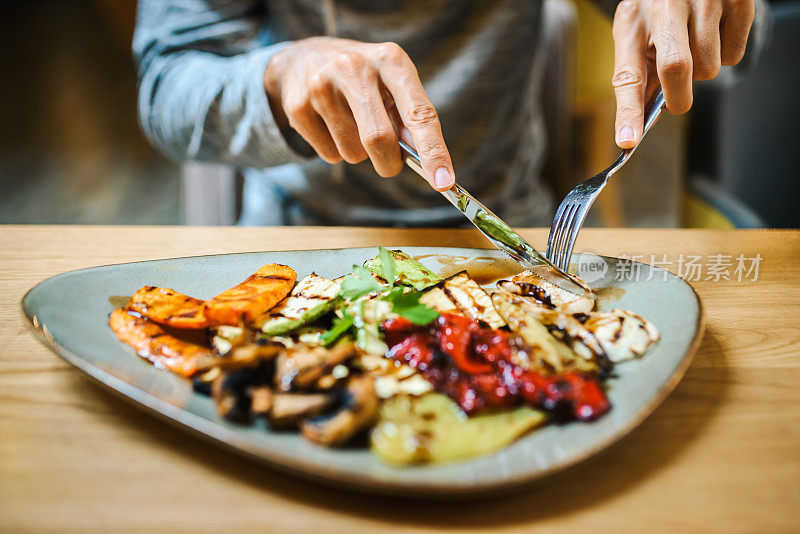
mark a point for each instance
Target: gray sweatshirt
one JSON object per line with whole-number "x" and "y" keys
{"x": 201, "y": 97}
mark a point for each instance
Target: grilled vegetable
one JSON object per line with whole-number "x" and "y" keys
{"x": 288, "y": 408}
{"x": 622, "y": 334}
{"x": 430, "y": 360}
{"x": 357, "y": 409}
{"x": 532, "y": 287}
{"x": 567, "y": 329}
{"x": 232, "y": 391}
{"x": 392, "y": 379}
{"x": 603, "y": 337}
{"x": 301, "y": 366}
{"x": 367, "y": 315}
{"x": 437, "y": 299}
{"x": 313, "y": 297}
{"x": 431, "y": 428}
{"x": 153, "y": 343}
{"x": 261, "y": 399}
{"x": 227, "y": 337}
{"x": 471, "y": 299}
{"x": 243, "y": 356}
{"x": 168, "y": 307}
{"x": 250, "y": 301}
{"x": 544, "y": 349}
{"x": 407, "y": 270}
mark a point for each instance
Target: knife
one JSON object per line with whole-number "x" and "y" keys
{"x": 499, "y": 233}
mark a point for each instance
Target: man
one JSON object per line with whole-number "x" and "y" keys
{"x": 301, "y": 93}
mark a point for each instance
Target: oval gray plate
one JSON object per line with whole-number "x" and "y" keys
{"x": 68, "y": 312}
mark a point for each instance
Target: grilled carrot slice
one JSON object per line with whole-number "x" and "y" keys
{"x": 252, "y": 299}
{"x": 151, "y": 342}
{"x": 168, "y": 307}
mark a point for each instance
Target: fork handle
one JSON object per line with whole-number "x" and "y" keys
{"x": 651, "y": 114}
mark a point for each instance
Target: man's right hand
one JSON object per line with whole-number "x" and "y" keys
{"x": 346, "y": 98}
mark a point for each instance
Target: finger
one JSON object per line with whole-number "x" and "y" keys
{"x": 735, "y": 29}
{"x": 704, "y": 40}
{"x": 630, "y": 73}
{"x": 400, "y": 77}
{"x": 337, "y": 118}
{"x": 397, "y": 123}
{"x": 673, "y": 56}
{"x": 374, "y": 126}
{"x": 652, "y": 86}
{"x": 402, "y": 132}
{"x": 307, "y": 122}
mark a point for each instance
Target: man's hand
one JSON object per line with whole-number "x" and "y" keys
{"x": 671, "y": 43}
{"x": 346, "y": 98}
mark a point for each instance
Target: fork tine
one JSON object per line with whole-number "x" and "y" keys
{"x": 573, "y": 236}
{"x": 564, "y": 234}
{"x": 559, "y": 238}
{"x": 573, "y": 209}
{"x": 551, "y": 237}
{"x": 558, "y": 232}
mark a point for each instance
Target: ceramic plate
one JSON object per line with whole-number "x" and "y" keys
{"x": 68, "y": 312}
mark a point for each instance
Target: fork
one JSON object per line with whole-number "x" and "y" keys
{"x": 573, "y": 209}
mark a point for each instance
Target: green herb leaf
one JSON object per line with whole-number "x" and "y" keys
{"x": 406, "y": 304}
{"x": 339, "y": 327}
{"x": 388, "y": 266}
{"x": 359, "y": 283}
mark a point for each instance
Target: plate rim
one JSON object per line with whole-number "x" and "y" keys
{"x": 292, "y": 465}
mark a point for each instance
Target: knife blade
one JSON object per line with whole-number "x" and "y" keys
{"x": 501, "y": 235}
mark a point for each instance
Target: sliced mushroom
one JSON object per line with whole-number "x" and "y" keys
{"x": 357, "y": 409}
{"x": 302, "y": 366}
{"x": 231, "y": 390}
{"x": 288, "y": 408}
{"x": 202, "y": 382}
{"x": 241, "y": 356}
{"x": 262, "y": 399}
{"x": 334, "y": 377}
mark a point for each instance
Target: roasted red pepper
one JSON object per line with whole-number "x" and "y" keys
{"x": 473, "y": 364}
{"x": 455, "y": 336}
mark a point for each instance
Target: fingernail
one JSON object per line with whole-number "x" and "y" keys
{"x": 442, "y": 178}
{"x": 625, "y": 134}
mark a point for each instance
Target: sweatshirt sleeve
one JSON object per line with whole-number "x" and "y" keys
{"x": 201, "y": 94}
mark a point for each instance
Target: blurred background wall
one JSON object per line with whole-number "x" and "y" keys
{"x": 71, "y": 150}
{"x": 70, "y": 147}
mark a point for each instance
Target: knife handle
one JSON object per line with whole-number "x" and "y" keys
{"x": 490, "y": 225}
{"x": 411, "y": 158}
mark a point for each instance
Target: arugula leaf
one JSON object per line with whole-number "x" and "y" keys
{"x": 406, "y": 304}
{"x": 339, "y": 327}
{"x": 359, "y": 283}
{"x": 388, "y": 266}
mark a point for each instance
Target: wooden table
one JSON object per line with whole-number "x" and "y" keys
{"x": 722, "y": 454}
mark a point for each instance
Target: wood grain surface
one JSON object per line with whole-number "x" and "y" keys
{"x": 722, "y": 454}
